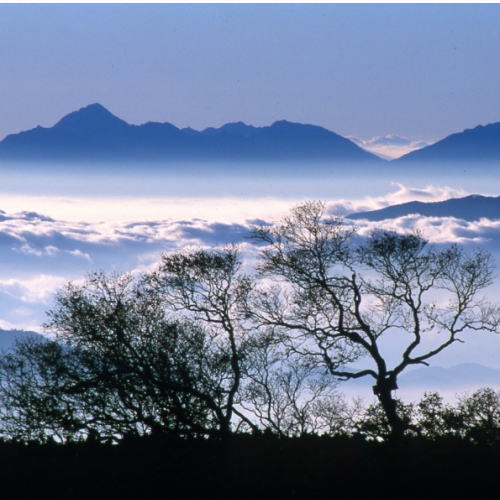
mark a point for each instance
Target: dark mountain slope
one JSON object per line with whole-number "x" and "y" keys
{"x": 480, "y": 144}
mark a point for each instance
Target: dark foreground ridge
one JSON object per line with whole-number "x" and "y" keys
{"x": 251, "y": 468}
{"x": 470, "y": 208}
{"x": 94, "y": 134}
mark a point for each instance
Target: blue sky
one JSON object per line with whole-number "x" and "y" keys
{"x": 418, "y": 70}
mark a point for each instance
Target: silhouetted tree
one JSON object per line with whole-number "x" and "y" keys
{"x": 474, "y": 418}
{"x": 286, "y": 395}
{"x": 266, "y": 387}
{"x": 166, "y": 351}
{"x": 199, "y": 348}
{"x": 334, "y": 298}
{"x": 119, "y": 365}
{"x": 372, "y": 422}
{"x": 208, "y": 288}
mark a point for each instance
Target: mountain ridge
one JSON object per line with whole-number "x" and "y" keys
{"x": 478, "y": 144}
{"x": 470, "y": 208}
{"x": 94, "y": 133}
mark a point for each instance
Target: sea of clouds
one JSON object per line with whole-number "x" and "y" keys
{"x": 42, "y": 251}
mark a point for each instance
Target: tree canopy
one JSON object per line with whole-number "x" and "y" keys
{"x": 334, "y": 298}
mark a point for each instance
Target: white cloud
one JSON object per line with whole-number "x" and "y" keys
{"x": 390, "y": 146}
{"x": 484, "y": 232}
{"x": 401, "y": 194}
{"x": 80, "y": 254}
{"x": 133, "y": 209}
{"x": 33, "y": 289}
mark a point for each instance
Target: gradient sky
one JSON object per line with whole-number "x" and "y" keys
{"x": 422, "y": 71}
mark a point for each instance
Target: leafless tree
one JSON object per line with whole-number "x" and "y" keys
{"x": 287, "y": 395}
{"x": 335, "y": 297}
{"x": 200, "y": 348}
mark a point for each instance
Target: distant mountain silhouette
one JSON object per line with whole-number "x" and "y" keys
{"x": 93, "y": 133}
{"x": 470, "y": 208}
{"x": 480, "y": 144}
{"x": 8, "y": 338}
{"x": 462, "y": 375}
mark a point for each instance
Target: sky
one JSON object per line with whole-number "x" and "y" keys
{"x": 422, "y": 71}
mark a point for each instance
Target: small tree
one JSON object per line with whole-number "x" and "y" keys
{"x": 209, "y": 288}
{"x": 335, "y": 298}
{"x": 477, "y": 417}
{"x": 286, "y": 395}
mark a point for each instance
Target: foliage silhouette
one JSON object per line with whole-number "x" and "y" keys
{"x": 168, "y": 351}
{"x": 118, "y": 366}
{"x": 473, "y": 418}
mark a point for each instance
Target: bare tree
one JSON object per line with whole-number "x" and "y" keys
{"x": 335, "y": 298}
{"x": 167, "y": 351}
{"x": 286, "y": 394}
{"x": 199, "y": 348}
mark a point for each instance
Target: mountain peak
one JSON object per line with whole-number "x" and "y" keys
{"x": 91, "y": 117}
{"x": 94, "y": 107}
{"x": 283, "y": 123}
{"x": 93, "y": 132}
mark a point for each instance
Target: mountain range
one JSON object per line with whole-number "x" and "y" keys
{"x": 8, "y": 338}
{"x": 473, "y": 207}
{"x": 432, "y": 378}
{"x": 93, "y": 133}
{"x": 480, "y": 144}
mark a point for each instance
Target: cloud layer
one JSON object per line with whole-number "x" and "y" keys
{"x": 41, "y": 253}
{"x": 401, "y": 194}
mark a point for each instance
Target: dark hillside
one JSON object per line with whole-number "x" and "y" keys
{"x": 251, "y": 468}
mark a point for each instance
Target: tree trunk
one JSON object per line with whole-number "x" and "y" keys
{"x": 383, "y": 390}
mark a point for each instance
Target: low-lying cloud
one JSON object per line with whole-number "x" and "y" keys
{"x": 41, "y": 253}
{"x": 401, "y": 194}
